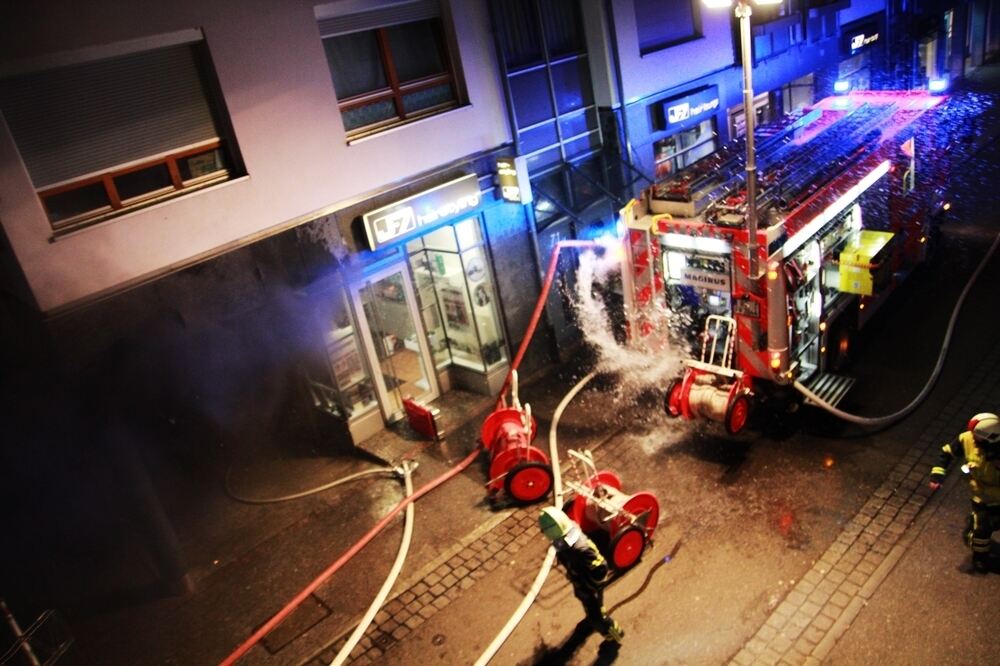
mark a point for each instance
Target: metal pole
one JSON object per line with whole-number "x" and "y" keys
{"x": 29, "y": 654}
{"x": 743, "y": 12}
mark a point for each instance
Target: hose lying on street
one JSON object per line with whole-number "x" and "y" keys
{"x": 343, "y": 559}
{"x": 397, "y": 566}
{"x": 391, "y": 471}
{"x": 550, "y": 556}
{"x": 895, "y": 416}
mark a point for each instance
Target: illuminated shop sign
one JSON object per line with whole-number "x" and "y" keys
{"x": 859, "y": 36}
{"x": 685, "y": 111}
{"x": 407, "y": 218}
{"x": 512, "y": 176}
{"x": 689, "y": 110}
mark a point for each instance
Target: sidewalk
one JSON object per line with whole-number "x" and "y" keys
{"x": 902, "y": 550}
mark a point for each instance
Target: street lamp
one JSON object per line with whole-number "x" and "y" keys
{"x": 743, "y": 12}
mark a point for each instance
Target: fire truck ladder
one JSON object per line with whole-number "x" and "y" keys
{"x": 821, "y": 159}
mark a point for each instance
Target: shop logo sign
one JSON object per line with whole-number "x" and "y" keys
{"x": 685, "y": 110}
{"x": 394, "y": 224}
{"x": 857, "y": 41}
{"x": 405, "y": 218}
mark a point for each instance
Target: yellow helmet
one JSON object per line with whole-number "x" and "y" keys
{"x": 555, "y": 523}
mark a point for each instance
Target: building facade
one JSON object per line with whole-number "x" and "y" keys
{"x": 239, "y": 223}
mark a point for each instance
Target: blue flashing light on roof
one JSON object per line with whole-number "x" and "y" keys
{"x": 937, "y": 85}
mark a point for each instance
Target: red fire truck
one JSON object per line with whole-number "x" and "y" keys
{"x": 848, "y": 192}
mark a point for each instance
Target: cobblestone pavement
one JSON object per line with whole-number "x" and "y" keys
{"x": 454, "y": 572}
{"x": 819, "y": 610}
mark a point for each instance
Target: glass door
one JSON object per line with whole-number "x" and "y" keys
{"x": 393, "y": 335}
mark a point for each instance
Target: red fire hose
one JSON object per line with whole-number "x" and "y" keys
{"x": 343, "y": 559}
{"x": 539, "y": 305}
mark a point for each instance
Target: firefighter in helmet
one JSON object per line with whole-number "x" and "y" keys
{"x": 979, "y": 446}
{"x": 585, "y": 567}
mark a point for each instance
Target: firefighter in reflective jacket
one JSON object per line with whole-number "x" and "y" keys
{"x": 979, "y": 446}
{"x": 585, "y": 567}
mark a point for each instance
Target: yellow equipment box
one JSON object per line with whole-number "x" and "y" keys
{"x": 861, "y": 261}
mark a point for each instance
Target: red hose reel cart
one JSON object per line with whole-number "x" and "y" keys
{"x": 626, "y": 522}
{"x": 516, "y": 467}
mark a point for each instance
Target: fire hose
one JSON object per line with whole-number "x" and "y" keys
{"x": 895, "y": 416}
{"x": 343, "y": 559}
{"x": 543, "y": 572}
{"x": 397, "y": 566}
{"x": 361, "y": 543}
{"x": 311, "y": 491}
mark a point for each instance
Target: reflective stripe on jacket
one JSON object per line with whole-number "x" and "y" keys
{"x": 984, "y": 475}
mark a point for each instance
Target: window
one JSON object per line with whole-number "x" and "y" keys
{"x": 389, "y": 66}
{"x": 545, "y": 61}
{"x": 104, "y": 137}
{"x": 767, "y": 13}
{"x": 684, "y": 148}
{"x": 456, "y": 297}
{"x": 661, "y": 24}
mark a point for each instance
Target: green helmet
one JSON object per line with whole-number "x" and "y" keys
{"x": 555, "y": 523}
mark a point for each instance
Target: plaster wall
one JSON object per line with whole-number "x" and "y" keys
{"x": 276, "y": 86}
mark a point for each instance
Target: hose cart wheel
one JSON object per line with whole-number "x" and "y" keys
{"x": 528, "y": 482}
{"x": 645, "y": 508}
{"x": 672, "y": 399}
{"x": 627, "y": 546}
{"x": 737, "y": 414}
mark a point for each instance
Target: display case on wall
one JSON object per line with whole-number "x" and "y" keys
{"x": 346, "y": 391}
{"x": 351, "y": 379}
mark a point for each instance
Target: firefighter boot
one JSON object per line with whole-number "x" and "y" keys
{"x": 615, "y": 633}
{"x": 980, "y": 563}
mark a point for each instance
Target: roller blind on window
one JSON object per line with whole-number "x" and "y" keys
{"x": 379, "y": 18}
{"x": 86, "y": 118}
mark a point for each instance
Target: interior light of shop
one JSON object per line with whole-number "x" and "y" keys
{"x": 842, "y": 86}
{"x": 937, "y": 85}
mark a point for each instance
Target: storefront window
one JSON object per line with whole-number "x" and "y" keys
{"x": 684, "y": 148}
{"x": 351, "y": 393}
{"x": 456, "y": 297}
{"x": 856, "y": 70}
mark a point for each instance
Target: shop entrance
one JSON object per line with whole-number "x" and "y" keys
{"x": 392, "y": 334}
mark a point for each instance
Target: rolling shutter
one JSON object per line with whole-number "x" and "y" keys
{"x": 85, "y": 118}
{"x": 379, "y": 18}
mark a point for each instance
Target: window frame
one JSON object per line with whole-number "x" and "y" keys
{"x": 396, "y": 90}
{"x": 230, "y": 165}
{"x": 663, "y": 44}
{"x": 116, "y": 204}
